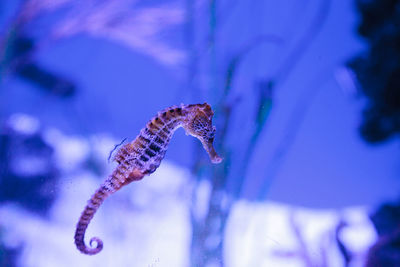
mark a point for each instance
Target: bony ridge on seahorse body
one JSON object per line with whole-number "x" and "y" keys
{"x": 143, "y": 156}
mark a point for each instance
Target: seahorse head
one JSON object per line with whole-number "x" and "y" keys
{"x": 198, "y": 123}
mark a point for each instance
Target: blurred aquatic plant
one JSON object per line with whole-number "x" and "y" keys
{"x": 377, "y": 69}
{"x": 124, "y": 21}
{"x": 227, "y": 185}
{"x": 302, "y": 251}
{"x": 18, "y": 49}
{"x": 127, "y": 22}
{"x": 140, "y": 28}
{"x": 16, "y": 57}
{"x": 346, "y": 254}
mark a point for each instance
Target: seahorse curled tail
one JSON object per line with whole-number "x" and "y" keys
{"x": 111, "y": 185}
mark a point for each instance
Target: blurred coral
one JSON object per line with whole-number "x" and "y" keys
{"x": 386, "y": 251}
{"x": 378, "y": 68}
{"x": 378, "y": 72}
{"x": 27, "y": 172}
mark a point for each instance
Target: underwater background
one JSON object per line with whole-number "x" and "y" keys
{"x": 306, "y": 101}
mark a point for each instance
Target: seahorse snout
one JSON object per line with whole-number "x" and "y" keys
{"x": 208, "y": 146}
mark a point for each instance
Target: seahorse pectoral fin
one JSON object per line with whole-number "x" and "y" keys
{"x": 208, "y": 146}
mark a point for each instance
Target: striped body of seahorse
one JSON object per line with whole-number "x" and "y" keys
{"x": 144, "y": 154}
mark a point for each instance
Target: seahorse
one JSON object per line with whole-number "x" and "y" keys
{"x": 144, "y": 154}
